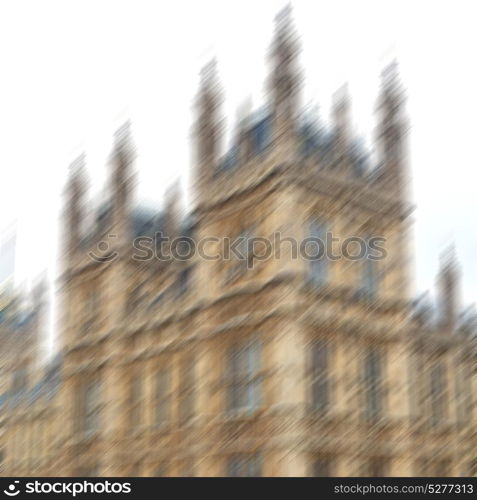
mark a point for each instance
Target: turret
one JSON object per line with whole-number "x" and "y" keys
{"x": 172, "y": 210}
{"x": 285, "y": 79}
{"x": 341, "y": 116}
{"x": 208, "y": 123}
{"x": 449, "y": 291}
{"x": 121, "y": 181}
{"x": 75, "y": 204}
{"x": 392, "y": 129}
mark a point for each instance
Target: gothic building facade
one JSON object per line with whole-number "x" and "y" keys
{"x": 285, "y": 366}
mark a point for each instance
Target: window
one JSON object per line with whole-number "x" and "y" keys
{"x": 244, "y": 465}
{"x": 90, "y": 408}
{"x": 19, "y": 381}
{"x": 438, "y": 393}
{"x": 317, "y": 252}
{"x": 187, "y": 468}
{"x": 163, "y": 397}
{"x": 183, "y": 282}
{"x": 464, "y": 391}
{"x": 241, "y": 255}
{"x": 136, "y": 401}
{"x": 260, "y": 135}
{"x": 321, "y": 467}
{"x": 135, "y": 297}
{"x": 161, "y": 470}
{"x": 442, "y": 468}
{"x": 319, "y": 376}
{"x": 245, "y": 378}
{"x": 377, "y": 467}
{"x": 87, "y": 471}
{"x": 373, "y": 384}
{"x": 369, "y": 285}
{"x": 187, "y": 390}
{"x": 91, "y": 308}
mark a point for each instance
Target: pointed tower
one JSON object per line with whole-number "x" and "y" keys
{"x": 121, "y": 181}
{"x": 75, "y": 204}
{"x": 392, "y": 129}
{"x": 341, "y": 116}
{"x": 208, "y": 124}
{"x": 449, "y": 290}
{"x": 285, "y": 78}
{"x": 172, "y": 210}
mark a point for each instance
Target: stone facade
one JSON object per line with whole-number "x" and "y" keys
{"x": 285, "y": 368}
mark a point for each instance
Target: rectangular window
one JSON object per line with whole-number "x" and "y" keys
{"x": 316, "y": 253}
{"x": 244, "y": 465}
{"x": 163, "y": 397}
{"x": 161, "y": 470}
{"x": 187, "y": 390}
{"x": 136, "y": 398}
{"x": 19, "y": 381}
{"x": 91, "y": 407}
{"x": 321, "y": 467}
{"x": 438, "y": 393}
{"x": 245, "y": 378}
{"x": 369, "y": 285}
{"x": 442, "y": 468}
{"x": 91, "y": 310}
{"x": 319, "y": 376}
{"x": 377, "y": 467}
{"x": 373, "y": 380}
{"x": 183, "y": 282}
{"x": 242, "y": 257}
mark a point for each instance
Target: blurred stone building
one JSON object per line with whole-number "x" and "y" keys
{"x": 29, "y": 385}
{"x": 283, "y": 366}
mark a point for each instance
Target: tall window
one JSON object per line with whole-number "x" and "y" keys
{"x": 316, "y": 250}
{"x": 187, "y": 389}
{"x": 91, "y": 407}
{"x": 260, "y": 135}
{"x": 373, "y": 380}
{"x": 242, "y": 260}
{"x": 321, "y": 467}
{"x": 163, "y": 397}
{"x": 91, "y": 309}
{"x": 369, "y": 284}
{"x": 161, "y": 470}
{"x": 182, "y": 283}
{"x": 19, "y": 381}
{"x": 377, "y": 467}
{"x": 136, "y": 398}
{"x": 320, "y": 376}
{"x": 244, "y": 465}
{"x": 438, "y": 393}
{"x": 245, "y": 378}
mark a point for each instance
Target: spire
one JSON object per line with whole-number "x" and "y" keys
{"x": 392, "y": 126}
{"x": 341, "y": 112}
{"x": 121, "y": 169}
{"x": 449, "y": 290}
{"x": 285, "y": 80}
{"x": 75, "y": 192}
{"x": 208, "y": 129}
{"x": 172, "y": 209}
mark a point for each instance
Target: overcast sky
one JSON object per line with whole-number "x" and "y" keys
{"x": 72, "y": 72}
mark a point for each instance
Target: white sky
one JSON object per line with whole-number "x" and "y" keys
{"x": 73, "y": 71}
